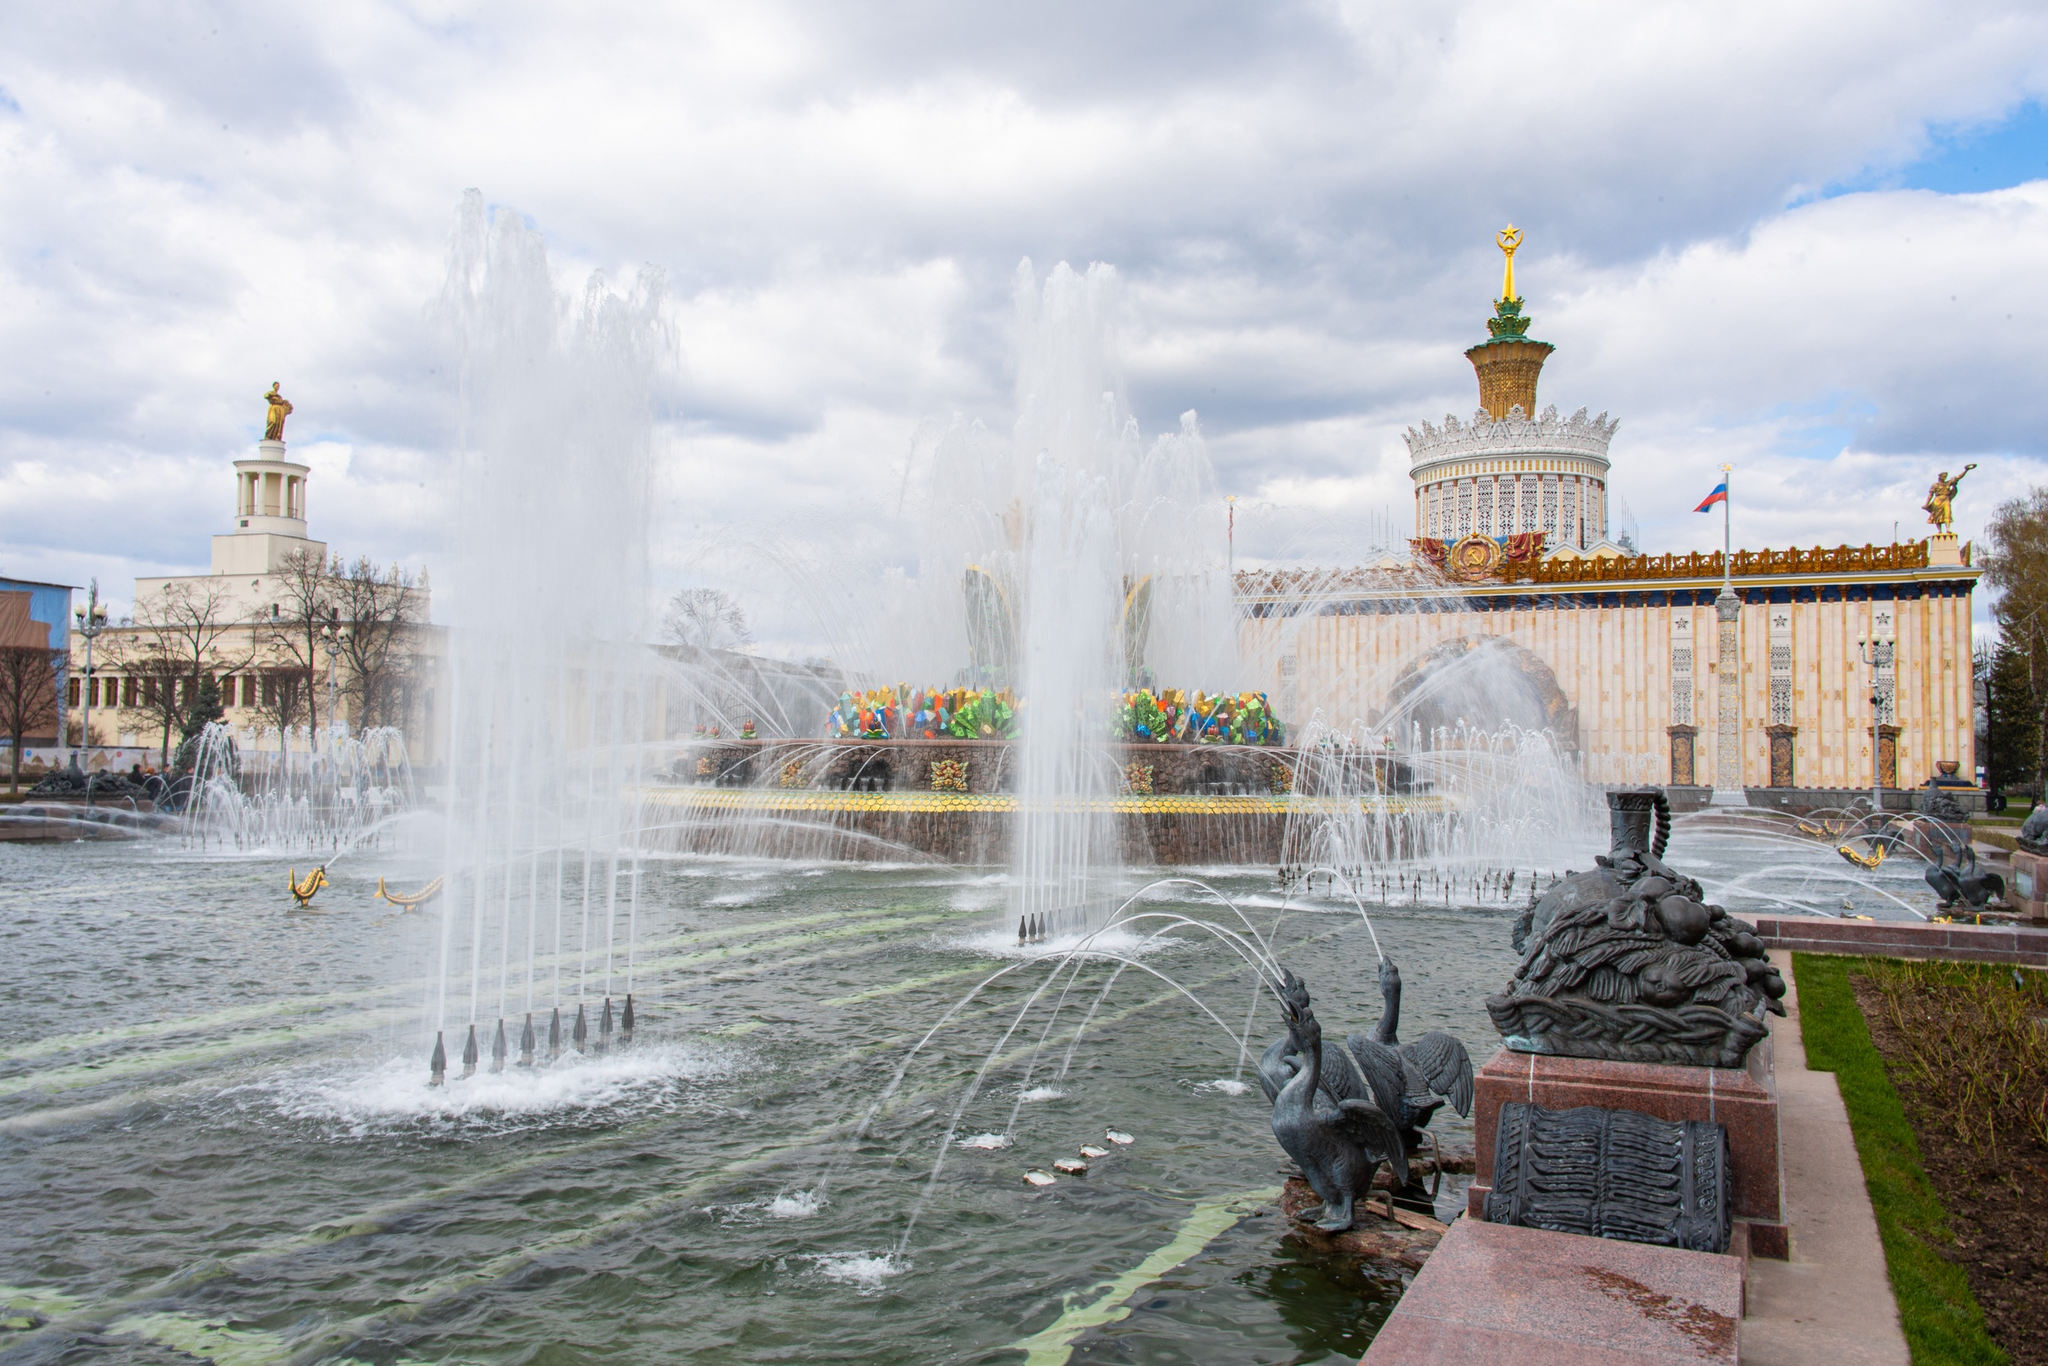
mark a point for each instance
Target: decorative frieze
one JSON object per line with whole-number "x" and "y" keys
{"x": 1515, "y": 434}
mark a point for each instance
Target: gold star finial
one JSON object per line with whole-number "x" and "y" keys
{"x": 1509, "y": 238}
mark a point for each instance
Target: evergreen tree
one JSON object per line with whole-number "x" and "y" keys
{"x": 206, "y": 708}
{"x": 2012, "y": 722}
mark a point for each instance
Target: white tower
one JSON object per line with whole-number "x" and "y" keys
{"x": 270, "y": 515}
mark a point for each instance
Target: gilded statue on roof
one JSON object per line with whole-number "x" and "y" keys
{"x": 273, "y": 417}
{"x": 1941, "y": 499}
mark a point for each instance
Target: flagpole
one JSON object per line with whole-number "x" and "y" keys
{"x": 1728, "y": 776}
{"x": 1727, "y": 533}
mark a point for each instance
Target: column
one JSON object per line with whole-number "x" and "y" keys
{"x": 1728, "y": 697}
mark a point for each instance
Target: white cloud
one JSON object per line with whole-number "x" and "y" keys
{"x": 197, "y": 199}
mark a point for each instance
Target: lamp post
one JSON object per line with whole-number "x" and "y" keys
{"x": 1872, "y": 653}
{"x": 333, "y": 634}
{"x": 92, "y": 619}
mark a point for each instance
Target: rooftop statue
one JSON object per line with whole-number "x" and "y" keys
{"x": 273, "y": 417}
{"x": 1941, "y": 499}
{"x": 1627, "y": 963}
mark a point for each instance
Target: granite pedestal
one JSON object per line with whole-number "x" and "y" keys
{"x": 2027, "y": 891}
{"x": 1744, "y": 1101}
{"x": 1491, "y": 1293}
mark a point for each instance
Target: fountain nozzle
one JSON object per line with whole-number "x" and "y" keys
{"x": 555, "y": 1034}
{"x": 604, "y": 1026}
{"x": 437, "y": 1066}
{"x": 1020, "y": 929}
{"x": 626, "y": 1021}
{"x": 581, "y": 1032}
{"x": 526, "y": 1042}
{"x": 469, "y": 1054}
{"x": 498, "y": 1047}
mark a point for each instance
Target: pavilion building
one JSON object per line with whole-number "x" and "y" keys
{"x": 241, "y": 600}
{"x": 1695, "y": 670}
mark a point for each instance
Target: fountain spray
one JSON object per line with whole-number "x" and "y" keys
{"x": 555, "y": 412}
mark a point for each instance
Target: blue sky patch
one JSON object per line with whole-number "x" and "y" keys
{"x": 1969, "y": 160}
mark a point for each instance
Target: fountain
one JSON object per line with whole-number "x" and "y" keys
{"x": 552, "y": 694}
{"x": 297, "y": 792}
{"x": 882, "y": 1025}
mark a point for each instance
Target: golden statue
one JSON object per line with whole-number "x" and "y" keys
{"x": 1941, "y": 499}
{"x": 273, "y": 419}
{"x": 1509, "y": 240}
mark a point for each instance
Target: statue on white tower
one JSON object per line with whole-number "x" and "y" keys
{"x": 273, "y": 418}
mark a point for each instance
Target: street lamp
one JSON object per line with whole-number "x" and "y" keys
{"x": 1874, "y": 653}
{"x": 92, "y": 619}
{"x": 333, "y": 634}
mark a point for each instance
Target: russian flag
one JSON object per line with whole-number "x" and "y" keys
{"x": 1719, "y": 495}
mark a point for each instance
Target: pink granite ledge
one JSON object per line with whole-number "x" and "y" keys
{"x": 2022, "y": 945}
{"x": 1493, "y": 1293}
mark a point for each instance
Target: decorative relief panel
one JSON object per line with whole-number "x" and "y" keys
{"x": 1681, "y": 669}
{"x": 1486, "y": 489}
{"x": 1529, "y": 502}
{"x": 1684, "y": 769}
{"x": 1781, "y": 668}
{"x": 1780, "y": 739}
{"x": 1886, "y": 649}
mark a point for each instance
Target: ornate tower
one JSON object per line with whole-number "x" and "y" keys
{"x": 270, "y": 508}
{"x": 1509, "y": 360}
{"x": 1511, "y": 471}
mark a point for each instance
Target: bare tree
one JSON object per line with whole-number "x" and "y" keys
{"x": 284, "y": 697}
{"x": 28, "y": 696}
{"x": 380, "y": 609}
{"x": 181, "y": 635}
{"x": 705, "y": 619}
{"x": 290, "y": 628}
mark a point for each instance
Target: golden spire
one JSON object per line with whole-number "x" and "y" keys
{"x": 1509, "y": 361}
{"x": 1509, "y": 239}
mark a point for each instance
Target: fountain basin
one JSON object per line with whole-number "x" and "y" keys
{"x": 1172, "y": 804}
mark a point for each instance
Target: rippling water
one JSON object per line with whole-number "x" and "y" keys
{"x": 216, "y": 1137}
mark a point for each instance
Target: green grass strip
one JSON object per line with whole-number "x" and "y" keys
{"x": 1939, "y": 1314}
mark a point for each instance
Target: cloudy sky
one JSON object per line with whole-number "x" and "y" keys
{"x": 1810, "y": 240}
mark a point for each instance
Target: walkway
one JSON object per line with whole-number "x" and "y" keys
{"x": 1832, "y": 1302}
